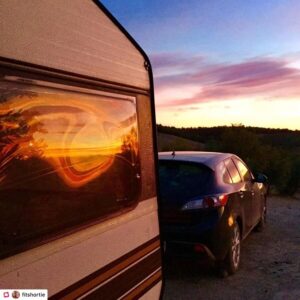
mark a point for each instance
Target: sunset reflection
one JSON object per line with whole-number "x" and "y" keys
{"x": 78, "y": 135}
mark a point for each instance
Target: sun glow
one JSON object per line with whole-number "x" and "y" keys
{"x": 258, "y": 112}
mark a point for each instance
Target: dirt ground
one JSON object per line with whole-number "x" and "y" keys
{"x": 270, "y": 263}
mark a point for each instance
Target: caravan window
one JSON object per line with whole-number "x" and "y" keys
{"x": 67, "y": 158}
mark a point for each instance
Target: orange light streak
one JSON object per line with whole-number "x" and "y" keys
{"x": 78, "y": 136}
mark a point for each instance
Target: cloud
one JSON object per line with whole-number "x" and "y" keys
{"x": 253, "y": 73}
{"x": 272, "y": 78}
{"x": 187, "y": 108}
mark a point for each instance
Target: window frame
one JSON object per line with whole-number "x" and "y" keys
{"x": 75, "y": 83}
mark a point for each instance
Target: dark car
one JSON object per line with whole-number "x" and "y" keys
{"x": 209, "y": 203}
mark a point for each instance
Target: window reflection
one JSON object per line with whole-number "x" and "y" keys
{"x": 65, "y": 158}
{"x": 78, "y": 136}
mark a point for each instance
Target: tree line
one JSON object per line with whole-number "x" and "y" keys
{"x": 273, "y": 152}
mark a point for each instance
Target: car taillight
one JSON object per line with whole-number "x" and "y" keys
{"x": 206, "y": 202}
{"x": 209, "y": 202}
{"x": 199, "y": 248}
{"x": 215, "y": 201}
{"x": 223, "y": 199}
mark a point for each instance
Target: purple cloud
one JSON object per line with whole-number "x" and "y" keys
{"x": 271, "y": 78}
{"x": 254, "y": 73}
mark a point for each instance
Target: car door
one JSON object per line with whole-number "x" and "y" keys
{"x": 242, "y": 194}
{"x": 251, "y": 188}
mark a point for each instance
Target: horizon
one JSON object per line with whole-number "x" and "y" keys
{"x": 230, "y": 126}
{"x": 217, "y": 63}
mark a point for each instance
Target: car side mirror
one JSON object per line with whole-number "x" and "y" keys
{"x": 261, "y": 178}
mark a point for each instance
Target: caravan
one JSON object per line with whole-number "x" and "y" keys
{"x": 77, "y": 154}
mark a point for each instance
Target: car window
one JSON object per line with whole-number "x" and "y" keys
{"x": 233, "y": 171}
{"x": 244, "y": 171}
{"x": 224, "y": 174}
{"x": 180, "y": 181}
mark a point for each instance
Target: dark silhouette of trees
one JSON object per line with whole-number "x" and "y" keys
{"x": 129, "y": 146}
{"x": 17, "y": 129}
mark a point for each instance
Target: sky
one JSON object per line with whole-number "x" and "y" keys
{"x": 219, "y": 62}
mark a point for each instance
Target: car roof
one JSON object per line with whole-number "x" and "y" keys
{"x": 209, "y": 159}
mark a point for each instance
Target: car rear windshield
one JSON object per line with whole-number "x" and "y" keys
{"x": 181, "y": 181}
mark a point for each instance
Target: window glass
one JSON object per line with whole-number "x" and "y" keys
{"x": 235, "y": 176}
{"x": 181, "y": 181}
{"x": 244, "y": 171}
{"x": 224, "y": 173}
{"x": 67, "y": 158}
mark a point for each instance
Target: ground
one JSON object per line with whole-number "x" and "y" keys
{"x": 270, "y": 267}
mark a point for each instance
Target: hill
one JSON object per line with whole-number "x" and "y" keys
{"x": 283, "y": 138}
{"x": 168, "y": 142}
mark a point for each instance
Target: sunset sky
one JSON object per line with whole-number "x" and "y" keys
{"x": 220, "y": 62}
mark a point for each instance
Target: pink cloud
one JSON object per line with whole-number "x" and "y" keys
{"x": 264, "y": 77}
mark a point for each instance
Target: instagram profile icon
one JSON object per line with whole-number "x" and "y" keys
{"x": 15, "y": 294}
